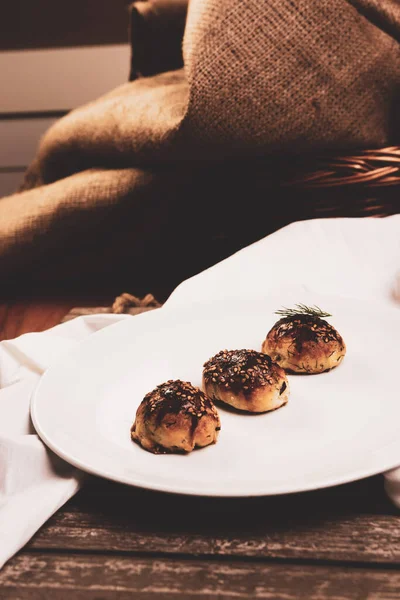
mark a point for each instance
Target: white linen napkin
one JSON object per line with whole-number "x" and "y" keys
{"x": 34, "y": 483}
{"x": 349, "y": 257}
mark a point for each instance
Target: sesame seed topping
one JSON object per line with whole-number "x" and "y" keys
{"x": 241, "y": 369}
{"x": 176, "y": 396}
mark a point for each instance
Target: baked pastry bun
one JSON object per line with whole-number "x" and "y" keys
{"x": 304, "y": 343}
{"x": 175, "y": 417}
{"x": 245, "y": 379}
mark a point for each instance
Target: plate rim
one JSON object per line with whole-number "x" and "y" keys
{"x": 323, "y": 483}
{"x": 187, "y": 491}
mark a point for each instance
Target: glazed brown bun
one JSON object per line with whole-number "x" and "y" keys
{"x": 245, "y": 379}
{"x": 175, "y": 417}
{"x": 304, "y": 344}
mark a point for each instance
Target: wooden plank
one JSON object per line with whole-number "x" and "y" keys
{"x": 333, "y": 525}
{"x": 18, "y": 316}
{"x": 73, "y": 577}
{"x": 24, "y": 316}
{"x": 10, "y": 182}
{"x": 45, "y": 23}
{"x": 19, "y": 140}
{"x": 355, "y": 538}
{"x": 61, "y": 79}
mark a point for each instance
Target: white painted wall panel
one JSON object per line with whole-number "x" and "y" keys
{"x": 58, "y": 79}
{"x": 19, "y": 140}
{"x": 9, "y": 183}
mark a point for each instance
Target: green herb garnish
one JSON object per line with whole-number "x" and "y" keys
{"x": 302, "y": 309}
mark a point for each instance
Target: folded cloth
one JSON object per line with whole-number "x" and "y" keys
{"x": 359, "y": 258}
{"x": 260, "y": 79}
{"x": 34, "y": 483}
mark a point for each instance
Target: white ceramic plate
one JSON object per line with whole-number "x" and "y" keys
{"x": 337, "y": 427}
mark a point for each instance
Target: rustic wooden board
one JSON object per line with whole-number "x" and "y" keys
{"x": 330, "y": 525}
{"x": 10, "y": 180}
{"x": 351, "y": 538}
{"x": 59, "y": 576}
{"x": 24, "y": 316}
{"x": 50, "y": 80}
{"x": 20, "y": 139}
{"x": 45, "y": 24}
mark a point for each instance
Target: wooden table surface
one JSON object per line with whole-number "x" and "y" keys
{"x": 114, "y": 542}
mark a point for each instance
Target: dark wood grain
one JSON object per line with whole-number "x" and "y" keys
{"x": 355, "y": 538}
{"x": 24, "y": 316}
{"x": 59, "y": 576}
{"x": 330, "y": 525}
{"x": 36, "y": 314}
{"x": 44, "y": 23}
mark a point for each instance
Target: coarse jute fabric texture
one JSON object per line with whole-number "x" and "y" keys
{"x": 161, "y": 177}
{"x": 286, "y": 75}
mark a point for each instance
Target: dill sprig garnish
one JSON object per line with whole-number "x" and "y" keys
{"x": 302, "y": 309}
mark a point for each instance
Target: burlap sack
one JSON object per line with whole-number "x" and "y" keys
{"x": 261, "y": 79}
{"x": 284, "y": 75}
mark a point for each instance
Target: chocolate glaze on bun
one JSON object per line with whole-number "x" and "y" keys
{"x": 246, "y": 379}
{"x": 175, "y": 417}
{"x": 304, "y": 343}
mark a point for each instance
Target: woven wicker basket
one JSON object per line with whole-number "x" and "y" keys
{"x": 362, "y": 184}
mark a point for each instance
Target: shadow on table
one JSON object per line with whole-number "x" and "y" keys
{"x": 348, "y": 524}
